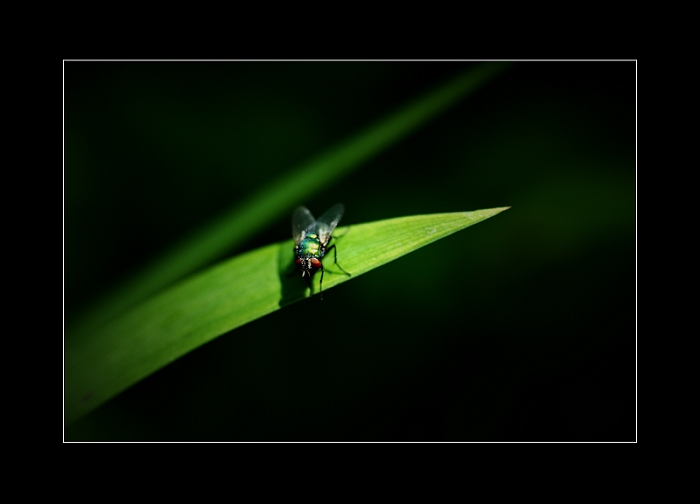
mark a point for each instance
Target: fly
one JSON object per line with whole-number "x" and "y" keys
{"x": 311, "y": 239}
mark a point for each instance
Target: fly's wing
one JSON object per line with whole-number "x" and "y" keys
{"x": 302, "y": 222}
{"x": 328, "y": 221}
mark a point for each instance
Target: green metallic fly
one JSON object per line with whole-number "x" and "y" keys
{"x": 311, "y": 239}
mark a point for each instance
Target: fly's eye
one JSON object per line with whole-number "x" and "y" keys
{"x": 298, "y": 261}
{"x": 315, "y": 263}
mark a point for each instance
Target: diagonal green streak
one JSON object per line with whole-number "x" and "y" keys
{"x": 223, "y": 297}
{"x": 254, "y": 214}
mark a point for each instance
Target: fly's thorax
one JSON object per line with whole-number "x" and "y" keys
{"x": 310, "y": 246}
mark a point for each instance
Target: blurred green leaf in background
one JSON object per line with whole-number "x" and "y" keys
{"x": 519, "y": 329}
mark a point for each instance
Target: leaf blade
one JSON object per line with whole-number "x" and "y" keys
{"x": 101, "y": 364}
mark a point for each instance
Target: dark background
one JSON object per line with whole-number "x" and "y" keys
{"x": 522, "y": 328}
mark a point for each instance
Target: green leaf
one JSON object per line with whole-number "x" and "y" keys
{"x": 252, "y": 215}
{"x": 102, "y": 363}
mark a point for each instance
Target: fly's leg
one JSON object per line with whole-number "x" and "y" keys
{"x": 321, "y": 283}
{"x": 335, "y": 256}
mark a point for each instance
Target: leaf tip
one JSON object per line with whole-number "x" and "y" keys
{"x": 498, "y": 210}
{"x": 488, "y": 212}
